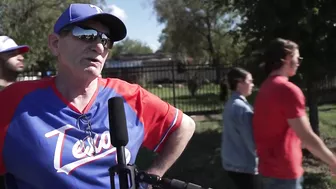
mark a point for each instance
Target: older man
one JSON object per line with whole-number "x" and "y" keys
{"x": 55, "y": 131}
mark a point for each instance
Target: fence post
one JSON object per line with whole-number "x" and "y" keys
{"x": 173, "y": 78}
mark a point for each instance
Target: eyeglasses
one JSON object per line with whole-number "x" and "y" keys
{"x": 90, "y": 35}
{"x": 300, "y": 59}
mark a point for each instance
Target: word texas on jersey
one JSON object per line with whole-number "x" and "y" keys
{"x": 46, "y": 142}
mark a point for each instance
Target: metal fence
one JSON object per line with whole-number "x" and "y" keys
{"x": 192, "y": 88}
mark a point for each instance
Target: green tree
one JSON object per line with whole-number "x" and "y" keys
{"x": 30, "y": 22}
{"x": 309, "y": 23}
{"x": 130, "y": 46}
{"x": 200, "y": 29}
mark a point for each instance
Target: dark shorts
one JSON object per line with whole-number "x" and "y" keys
{"x": 244, "y": 180}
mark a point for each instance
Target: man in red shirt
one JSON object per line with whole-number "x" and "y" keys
{"x": 280, "y": 122}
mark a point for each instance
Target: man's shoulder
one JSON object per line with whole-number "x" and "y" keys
{"x": 31, "y": 84}
{"x": 118, "y": 85}
{"x": 113, "y": 81}
{"x": 279, "y": 84}
{"x": 21, "y": 88}
{"x": 12, "y": 96}
{"x": 290, "y": 88}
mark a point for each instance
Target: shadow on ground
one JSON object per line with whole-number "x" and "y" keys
{"x": 201, "y": 164}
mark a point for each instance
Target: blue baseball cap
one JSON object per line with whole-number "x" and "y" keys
{"x": 7, "y": 44}
{"x": 80, "y": 12}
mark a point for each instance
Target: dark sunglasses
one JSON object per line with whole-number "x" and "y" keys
{"x": 90, "y": 35}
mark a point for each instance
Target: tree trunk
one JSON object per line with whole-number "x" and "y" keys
{"x": 313, "y": 107}
{"x": 212, "y": 51}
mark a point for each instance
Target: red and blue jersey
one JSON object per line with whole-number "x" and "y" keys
{"x": 44, "y": 141}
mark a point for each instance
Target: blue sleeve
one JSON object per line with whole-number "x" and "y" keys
{"x": 243, "y": 116}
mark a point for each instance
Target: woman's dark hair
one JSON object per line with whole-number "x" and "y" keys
{"x": 277, "y": 50}
{"x": 234, "y": 76}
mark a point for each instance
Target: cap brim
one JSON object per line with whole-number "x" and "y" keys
{"x": 116, "y": 26}
{"x": 22, "y": 49}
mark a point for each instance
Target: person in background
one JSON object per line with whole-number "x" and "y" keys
{"x": 11, "y": 60}
{"x": 280, "y": 122}
{"x": 223, "y": 90}
{"x": 238, "y": 152}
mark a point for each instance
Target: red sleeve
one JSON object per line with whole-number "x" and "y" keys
{"x": 293, "y": 102}
{"x": 6, "y": 111}
{"x": 159, "y": 118}
{"x": 10, "y": 97}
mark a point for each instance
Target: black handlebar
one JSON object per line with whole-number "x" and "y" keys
{"x": 136, "y": 177}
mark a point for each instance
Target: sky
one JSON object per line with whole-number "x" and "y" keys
{"x": 139, "y": 18}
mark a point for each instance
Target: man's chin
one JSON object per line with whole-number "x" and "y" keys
{"x": 19, "y": 70}
{"x": 93, "y": 72}
{"x": 292, "y": 74}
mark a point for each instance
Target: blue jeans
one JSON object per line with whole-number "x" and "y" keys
{"x": 274, "y": 183}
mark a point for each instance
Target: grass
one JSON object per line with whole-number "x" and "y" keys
{"x": 206, "y": 98}
{"x": 200, "y": 163}
{"x": 317, "y": 173}
{"x": 327, "y": 114}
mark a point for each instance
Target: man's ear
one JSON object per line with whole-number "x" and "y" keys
{"x": 53, "y": 43}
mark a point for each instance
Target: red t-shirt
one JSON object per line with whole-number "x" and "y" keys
{"x": 278, "y": 146}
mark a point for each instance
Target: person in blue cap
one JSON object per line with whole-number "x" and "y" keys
{"x": 11, "y": 60}
{"x": 54, "y": 132}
